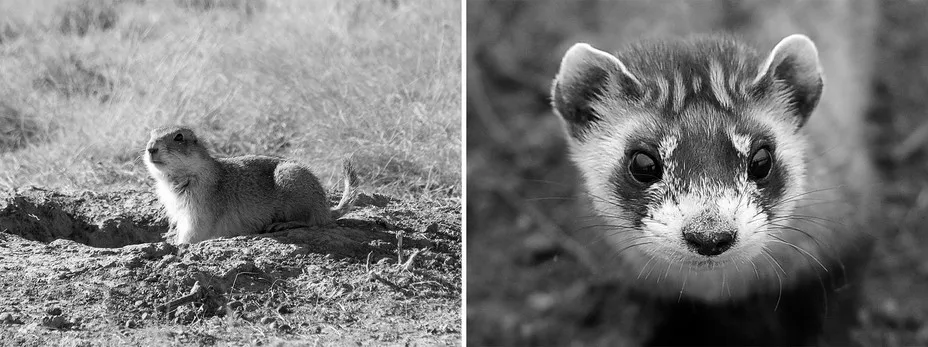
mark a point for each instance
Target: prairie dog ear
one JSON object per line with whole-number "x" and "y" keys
{"x": 584, "y": 76}
{"x": 794, "y": 63}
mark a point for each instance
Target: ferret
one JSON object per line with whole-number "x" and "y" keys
{"x": 695, "y": 154}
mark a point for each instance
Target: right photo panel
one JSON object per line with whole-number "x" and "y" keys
{"x": 696, "y": 173}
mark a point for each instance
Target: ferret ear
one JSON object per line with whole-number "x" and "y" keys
{"x": 584, "y": 76}
{"x": 793, "y": 69}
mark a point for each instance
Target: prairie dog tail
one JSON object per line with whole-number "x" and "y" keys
{"x": 350, "y": 191}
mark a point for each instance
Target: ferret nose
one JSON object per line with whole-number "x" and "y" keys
{"x": 709, "y": 243}
{"x": 709, "y": 234}
{"x": 153, "y": 150}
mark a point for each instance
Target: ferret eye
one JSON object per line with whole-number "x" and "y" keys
{"x": 760, "y": 164}
{"x": 644, "y": 168}
{"x": 179, "y": 137}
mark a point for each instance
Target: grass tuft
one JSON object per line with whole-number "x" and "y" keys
{"x": 246, "y": 7}
{"x": 16, "y": 129}
{"x": 9, "y": 31}
{"x": 71, "y": 77}
{"x": 82, "y": 16}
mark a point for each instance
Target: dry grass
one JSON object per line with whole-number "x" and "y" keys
{"x": 81, "y": 17}
{"x": 16, "y": 129}
{"x": 317, "y": 81}
{"x": 247, "y": 7}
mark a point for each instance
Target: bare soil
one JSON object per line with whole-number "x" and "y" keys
{"x": 86, "y": 269}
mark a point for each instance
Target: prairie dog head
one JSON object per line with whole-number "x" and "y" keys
{"x": 692, "y": 153}
{"x": 175, "y": 154}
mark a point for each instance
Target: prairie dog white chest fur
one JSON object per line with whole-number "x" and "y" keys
{"x": 696, "y": 154}
{"x": 208, "y": 197}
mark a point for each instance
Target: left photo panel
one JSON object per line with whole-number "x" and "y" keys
{"x": 230, "y": 172}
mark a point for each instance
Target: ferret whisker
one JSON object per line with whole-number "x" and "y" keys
{"x": 805, "y": 197}
{"x": 811, "y": 219}
{"x": 650, "y": 259}
{"x": 556, "y": 183}
{"x": 683, "y": 287}
{"x": 650, "y": 270}
{"x": 835, "y": 256}
{"x": 813, "y": 191}
{"x": 596, "y": 197}
{"x": 799, "y": 249}
{"x": 724, "y": 278}
{"x": 629, "y": 246}
{"x": 767, "y": 252}
{"x": 614, "y": 229}
{"x": 821, "y": 202}
{"x": 779, "y": 279}
{"x": 754, "y": 265}
{"x": 817, "y": 274}
{"x": 669, "y": 264}
{"x": 631, "y": 243}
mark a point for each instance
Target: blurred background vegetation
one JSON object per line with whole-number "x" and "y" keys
{"x": 523, "y": 288}
{"x": 83, "y": 81}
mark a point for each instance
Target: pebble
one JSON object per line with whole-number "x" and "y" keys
{"x": 9, "y": 318}
{"x": 235, "y": 305}
{"x": 132, "y": 263}
{"x": 184, "y": 317}
{"x": 54, "y": 322}
{"x": 145, "y": 316}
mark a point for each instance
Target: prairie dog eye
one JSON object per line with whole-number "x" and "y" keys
{"x": 644, "y": 168}
{"x": 179, "y": 137}
{"x": 760, "y": 164}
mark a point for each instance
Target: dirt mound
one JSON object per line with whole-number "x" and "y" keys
{"x": 89, "y": 268}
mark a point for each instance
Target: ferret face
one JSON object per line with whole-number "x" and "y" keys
{"x": 690, "y": 150}
{"x": 702, "y": 188}
{"x": 173, "y": 151}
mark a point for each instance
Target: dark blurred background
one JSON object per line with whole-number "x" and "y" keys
{"x": 523, "y": 287}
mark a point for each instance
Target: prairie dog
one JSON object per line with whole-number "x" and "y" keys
{"x": 208, "y": 197}
{"x": 695, "y": 154}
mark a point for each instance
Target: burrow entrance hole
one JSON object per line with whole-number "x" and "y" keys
{"x": 106, "y": 220}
